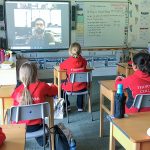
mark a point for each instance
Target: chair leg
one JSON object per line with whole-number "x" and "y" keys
{"x": 91, "y": 107}
{"x": 84, "y": 102}
{"x": 44, "y": 134}
{"x": 67, "y": 109}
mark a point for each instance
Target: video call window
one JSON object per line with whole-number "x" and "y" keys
{"x": 38, "y": 25}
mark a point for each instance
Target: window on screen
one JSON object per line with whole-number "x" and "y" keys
{"x": 37, "y": 25}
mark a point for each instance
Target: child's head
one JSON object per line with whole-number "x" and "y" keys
{"x": 141, "y": 61}
{"x": 75, "y": 50}
{"x": 27, "y": 75}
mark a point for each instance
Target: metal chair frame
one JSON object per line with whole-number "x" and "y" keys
{"x": 82, "y": 77}
{"x": 31, "y": 112}
{"x": 141, "y": 100}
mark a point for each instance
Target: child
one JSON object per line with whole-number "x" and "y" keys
{"x": 2, "y": 136}
{"x": 139, "y": 82}
{"x": 75, "y": 63}
{"x": 32, "y": 91}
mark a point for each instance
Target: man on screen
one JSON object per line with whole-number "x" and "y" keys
{"x": 40, "y": 38}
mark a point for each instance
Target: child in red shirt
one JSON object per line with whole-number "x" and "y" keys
{"x": 32, "y": 91}
{"x": 137, "y": 83}
{"x": 75, "y": 63}
{"x": 2, "y": 136}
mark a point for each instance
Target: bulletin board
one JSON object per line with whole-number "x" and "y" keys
{"x": 113, "y": 23}
{"x": 102, "y": 23}
{"x": 139, "y": 23}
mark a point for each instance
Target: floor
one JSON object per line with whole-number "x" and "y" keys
{"x": 84, "y": 130}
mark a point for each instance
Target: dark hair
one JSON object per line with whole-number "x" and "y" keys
{"x": 142, "y": 60}
{"x": 39, "y": 19}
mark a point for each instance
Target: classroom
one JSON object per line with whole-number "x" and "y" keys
{"x": 75, "y": 75}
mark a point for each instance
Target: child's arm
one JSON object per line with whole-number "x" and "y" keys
{"x": 119, "y": 80}
{"x": 51, "y": 89}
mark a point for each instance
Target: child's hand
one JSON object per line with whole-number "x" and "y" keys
{"x": 50, "y": 84}
{"x": 119, "y": 78}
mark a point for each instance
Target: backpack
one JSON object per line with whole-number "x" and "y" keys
{"x": 60, "y": 140}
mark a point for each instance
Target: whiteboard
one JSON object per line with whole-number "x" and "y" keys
{"x": 102, "y": 24}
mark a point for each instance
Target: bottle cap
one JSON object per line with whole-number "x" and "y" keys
{"x": 119, "y": 89}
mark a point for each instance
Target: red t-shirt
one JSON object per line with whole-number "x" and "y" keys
{"x": 73, "y": 65}
{"x": 2, "y": 136}
{"x": 39, "y": 91}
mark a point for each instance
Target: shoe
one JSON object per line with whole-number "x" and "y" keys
{"x": 80, "y": 109}
{"x": 69, "y": 108}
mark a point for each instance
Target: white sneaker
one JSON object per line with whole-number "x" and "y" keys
{"x": 80, "y": 109}
{"x": 69, "y": 108}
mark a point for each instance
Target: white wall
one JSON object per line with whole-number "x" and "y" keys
{"x": 103, "y": 67}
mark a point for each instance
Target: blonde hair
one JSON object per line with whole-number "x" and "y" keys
{"x": 27, "y": 75}
{"x": 75, "y": 50}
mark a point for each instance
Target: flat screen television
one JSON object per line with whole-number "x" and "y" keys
{"x": 37, "y": 25}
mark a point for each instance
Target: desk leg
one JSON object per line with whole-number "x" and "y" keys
{"x": 101, "y": 114}
{"x": 59, "y": 85}
{"x": 111, "y": 138}
{"x": 112, "y": 103}
{"x": 89, "y": 100}
{"x": 52, "y": 123}
{"x": 127, "y": 72}
{"x": 136, "y": 146}
{"x": 55, "y": 77}
{"x": 1, "y": 111}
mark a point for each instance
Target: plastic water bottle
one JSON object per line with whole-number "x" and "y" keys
{"x": 119, "y": 107}
{"x": 72, "y": 144}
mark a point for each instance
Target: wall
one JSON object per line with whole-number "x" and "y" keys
{"x": 103, "y": 62}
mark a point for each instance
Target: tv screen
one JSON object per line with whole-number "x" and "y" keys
{"x": 37, "y": 26}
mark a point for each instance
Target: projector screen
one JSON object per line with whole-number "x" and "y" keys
{"x": 37, "y": 26}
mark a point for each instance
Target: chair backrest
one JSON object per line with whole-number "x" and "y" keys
{"x": 29, "y": 112}
{"x": 81, "y": 77}
{"x": 141, "y": 101}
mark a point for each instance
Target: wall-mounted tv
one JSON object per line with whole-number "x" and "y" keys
{"x": 37, "y": 25}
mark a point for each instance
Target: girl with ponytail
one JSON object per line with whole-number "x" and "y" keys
{"x": 75, "y": 63}
{"x": 32, "y": 91}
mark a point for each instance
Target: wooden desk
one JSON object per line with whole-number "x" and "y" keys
{"x": 131, "y": 132}
{"x": 58, "y": 76}
{"x": 15, "y": 137}
{"x": 5, "y": 100}
{"x": 107, "y": 89}
{"x": 124, "y": 69}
